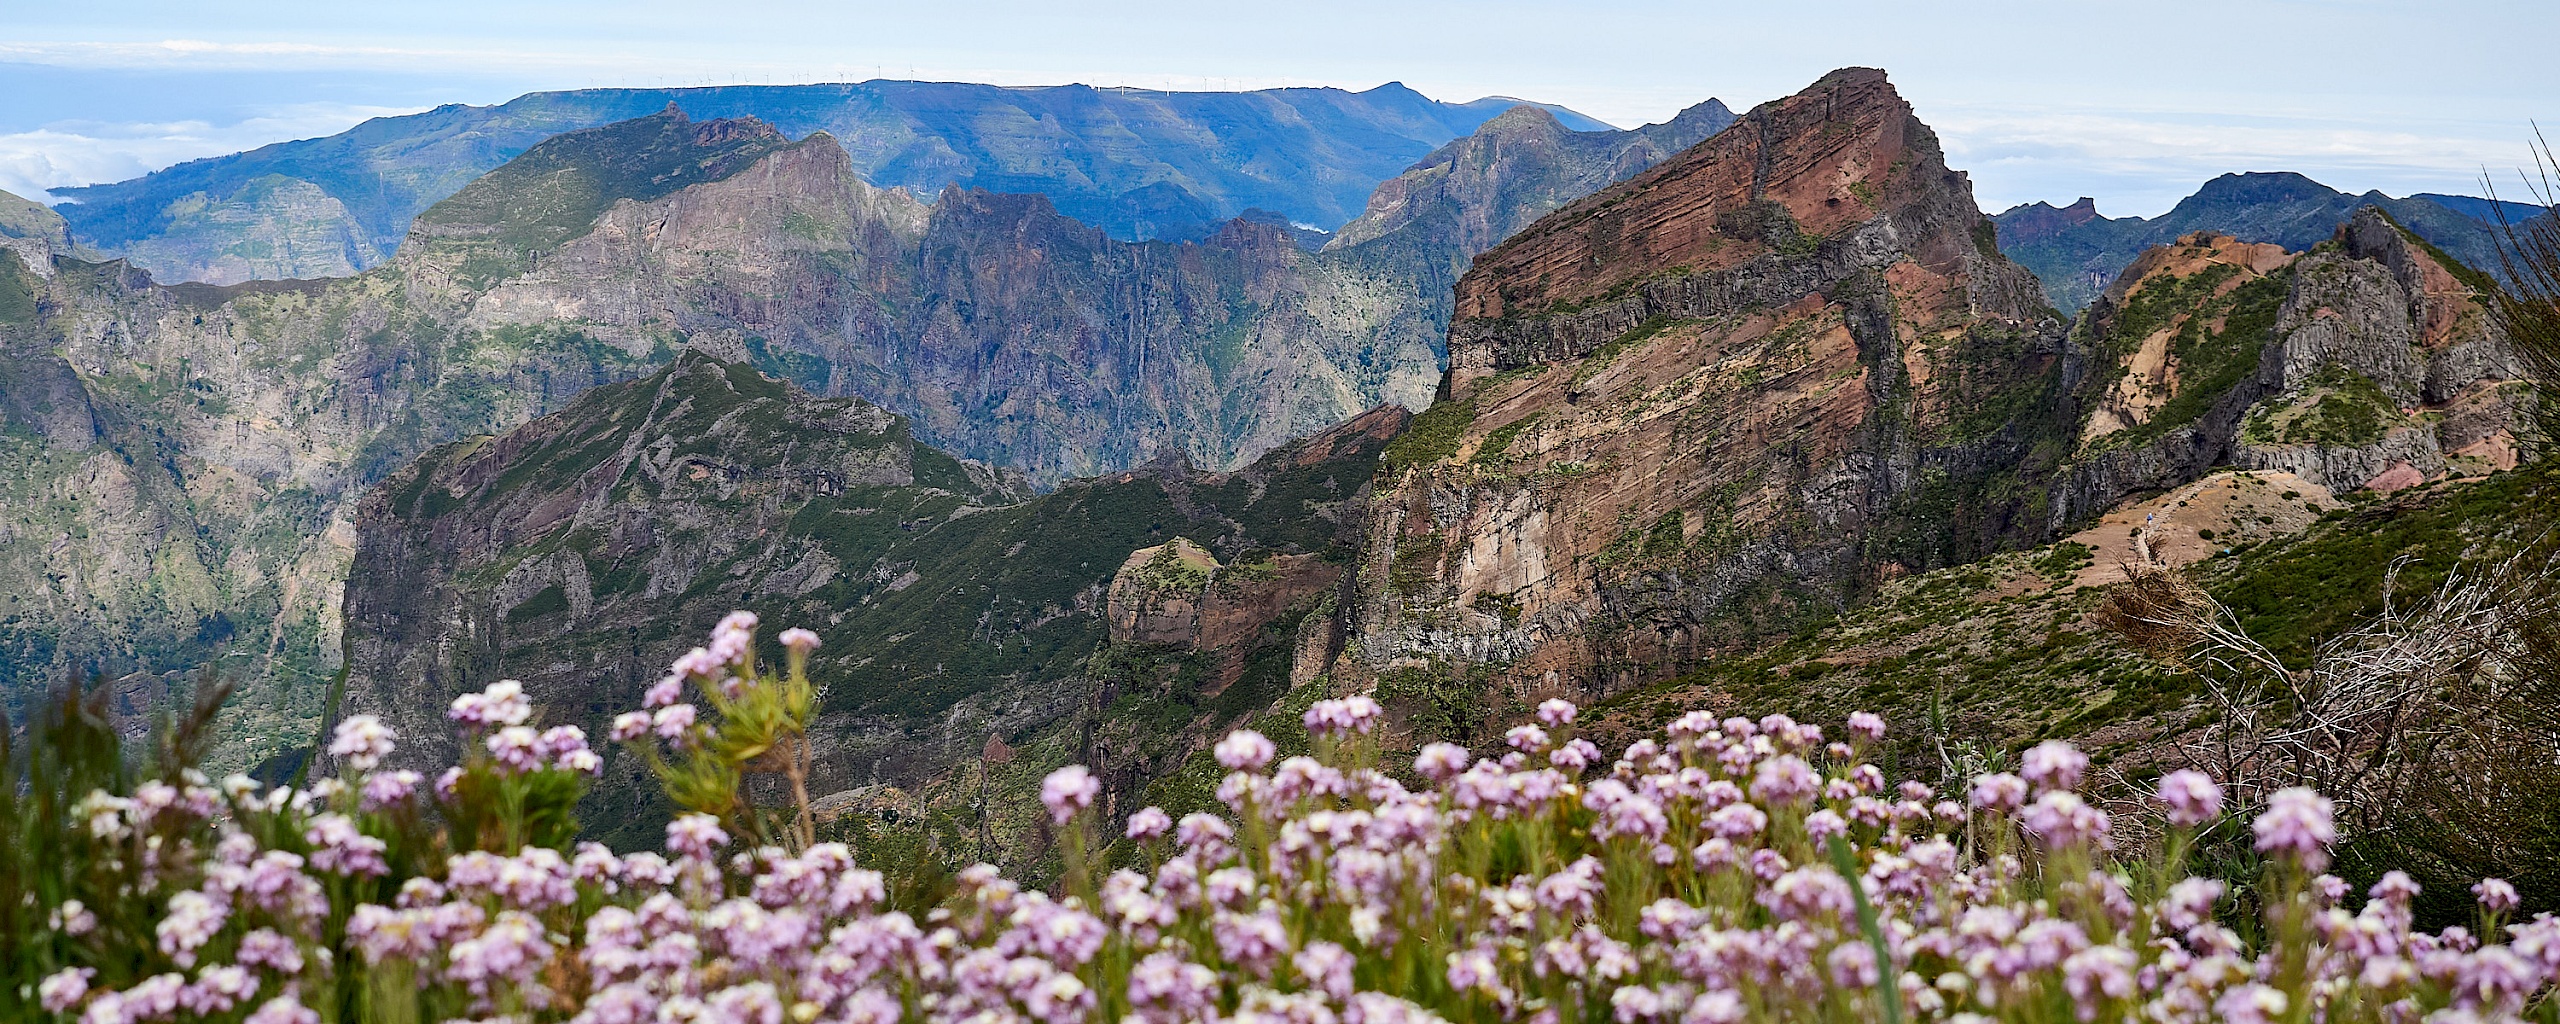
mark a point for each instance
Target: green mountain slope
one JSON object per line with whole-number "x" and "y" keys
{"x": 554, "y": 191}
{"x": 35, "y": 233}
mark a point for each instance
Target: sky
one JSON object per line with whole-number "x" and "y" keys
{"x": 2135, "y": 103}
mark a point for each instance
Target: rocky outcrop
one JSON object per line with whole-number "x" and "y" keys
{"x": 2366, "y": 362}
{"x": 1156, "y": 596}
{"x": 1176, "y": 593}
{"x": 1728, "y": 390}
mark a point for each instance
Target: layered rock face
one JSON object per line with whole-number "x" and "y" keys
{"x": 583, "y": 551}
{"x": 1723, "y": 393}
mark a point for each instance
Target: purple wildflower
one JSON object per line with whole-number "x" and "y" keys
{"x": 2192, "y": 797}
{"x": 2297, "y": 825}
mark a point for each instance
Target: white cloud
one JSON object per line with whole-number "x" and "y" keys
{"x": 71, "y": 153}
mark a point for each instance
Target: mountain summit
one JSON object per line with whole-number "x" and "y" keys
{"x": 499, "y": 223}
{"x": 1725, "y": 391}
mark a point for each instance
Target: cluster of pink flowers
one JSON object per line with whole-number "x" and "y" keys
{"x": 498, "y": 714}
{"x": 1731, "y": 870}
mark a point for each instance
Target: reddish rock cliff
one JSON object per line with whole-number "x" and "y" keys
{"x": 1714, "y": 398}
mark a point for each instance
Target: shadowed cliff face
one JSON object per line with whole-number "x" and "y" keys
{"x": 583, "y": 551}
{"x": 1713, "y": 399}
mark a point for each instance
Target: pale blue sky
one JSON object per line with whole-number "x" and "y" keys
{"x": 2134, "y": 102}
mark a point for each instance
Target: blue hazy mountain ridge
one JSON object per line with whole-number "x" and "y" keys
{"x": 2485, "y": 210}
{"x": 2077, "y": 252}
{"x": 1140, "y": 164}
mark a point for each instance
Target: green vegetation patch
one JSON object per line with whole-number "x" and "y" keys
{"x": 2210, "y": 363}
{"x": 2337, "y": 406}
{"x": 547, "y": 601}
{"x": 2290, "y": 593}
{"x": 1600, "y": 358}
{"x": 1496, "y": 448}
{"x": 1169, "y": 570}
{"x": 17, "y": 290}
{"x": 1432, "y": 436}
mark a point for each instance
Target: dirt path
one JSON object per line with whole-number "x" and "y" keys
{"x": 2193, "y": 522}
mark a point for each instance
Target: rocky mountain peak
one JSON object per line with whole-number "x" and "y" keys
{"x": 2361, "y": 362}
{"x": 2038, "y": 221}
{"x": 2441, "y": 290}
{"x": 553, "y": 192}
{"x": 1779, "y": 363}
{"x": 1801, "y": 193}
{"x": 2261, "y": 187}
{"x": 1478, "y": 190}
{"x": 1797, "y": 171}
{"x": 1527, "y": 117}
{"x": 1701, "y": 119}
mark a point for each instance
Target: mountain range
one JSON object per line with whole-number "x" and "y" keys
{"x": 2077, "y": 252}
{"x": 1587, "y": 413}
{"x": 236, "y": 422}
{"x": 1140, "y": 164}
{"x": 1704, "y": 415}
